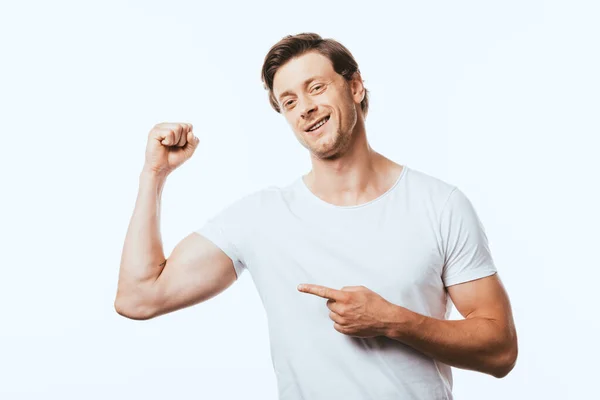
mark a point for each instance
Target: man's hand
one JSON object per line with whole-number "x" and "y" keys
{"x": 355, "y": 310}
{"x": 169, "y": 145}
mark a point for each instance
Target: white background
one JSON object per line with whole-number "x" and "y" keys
{"x": 501, "y": 99}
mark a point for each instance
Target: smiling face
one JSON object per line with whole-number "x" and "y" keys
{"x": 321, "y": 107}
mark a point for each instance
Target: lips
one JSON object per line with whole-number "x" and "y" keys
{"x": 308, "y": 129}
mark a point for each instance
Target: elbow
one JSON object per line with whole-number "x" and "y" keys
{"x": 135, "y": 302}
{"x": 132, "y": 311}
{"x": 505, "y": 362}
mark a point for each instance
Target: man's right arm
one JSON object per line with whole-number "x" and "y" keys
{"x": 150, "y": 284}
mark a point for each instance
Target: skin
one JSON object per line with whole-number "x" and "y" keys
{"x": 484, "y": 341}
{"x": 347, "y": 171}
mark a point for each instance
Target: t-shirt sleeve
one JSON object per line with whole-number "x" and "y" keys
{"x": 227, "y": 230}
{"x": 466, "y": 252}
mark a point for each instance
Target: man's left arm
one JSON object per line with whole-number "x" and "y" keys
{"x": 485, "y": 340}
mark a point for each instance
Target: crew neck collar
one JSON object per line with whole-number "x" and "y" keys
{"x": 308, "y": 193}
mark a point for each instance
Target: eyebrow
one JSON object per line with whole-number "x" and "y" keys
{"x": 306, "y": 82}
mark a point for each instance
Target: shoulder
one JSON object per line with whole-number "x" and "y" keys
{"x": 429, "y": 188}
{"x": 263, "y": 199}
{"x": 444, "y": 199}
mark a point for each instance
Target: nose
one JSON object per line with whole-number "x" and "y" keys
{"x": 308, "y": 108}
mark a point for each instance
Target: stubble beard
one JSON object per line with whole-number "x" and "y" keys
{"x": 342, "y": 138}
{"x": 335, "y": 143}
{"x": 334, "y": 146}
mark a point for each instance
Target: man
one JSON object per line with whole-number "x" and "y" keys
{"x": 355, "y": 262}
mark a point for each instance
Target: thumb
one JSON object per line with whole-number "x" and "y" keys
{"x": 352, "y": 288}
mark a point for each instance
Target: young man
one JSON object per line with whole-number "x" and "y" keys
{"x": 356, "y": 262}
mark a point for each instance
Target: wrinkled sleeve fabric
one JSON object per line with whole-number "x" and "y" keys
{"x": 228, "y": 230}
{"x": 467, "y": 254}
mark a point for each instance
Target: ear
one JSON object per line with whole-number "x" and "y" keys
{"x": 357, "y": 87}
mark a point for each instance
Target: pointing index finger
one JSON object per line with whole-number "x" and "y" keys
{"x": 321, "y": 291}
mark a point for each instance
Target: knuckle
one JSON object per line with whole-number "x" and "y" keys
{"x": 339, "y": 328}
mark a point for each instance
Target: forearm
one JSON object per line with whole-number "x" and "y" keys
{"x": 476, "y": 343}
{"x": 143, "y": 258}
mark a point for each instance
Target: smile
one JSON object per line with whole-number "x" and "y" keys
{"x": 318, "y": 127}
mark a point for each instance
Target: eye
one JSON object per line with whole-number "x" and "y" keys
{"x": 288, "y": 103}
{"x": 316, "y": 87}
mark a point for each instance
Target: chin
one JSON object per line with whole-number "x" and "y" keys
{"x": 328, "y": 152}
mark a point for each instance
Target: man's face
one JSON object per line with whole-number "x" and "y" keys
{"x": 309, "y": 91}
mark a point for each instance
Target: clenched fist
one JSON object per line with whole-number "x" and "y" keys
{"x": 169, "y": 146}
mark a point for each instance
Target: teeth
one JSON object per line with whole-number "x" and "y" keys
{"x": 319, "y": 124}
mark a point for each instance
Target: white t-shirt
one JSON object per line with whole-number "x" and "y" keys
{"x": 407, "y": 245}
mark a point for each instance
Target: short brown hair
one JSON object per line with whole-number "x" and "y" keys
{"x": 296, "y": 45}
